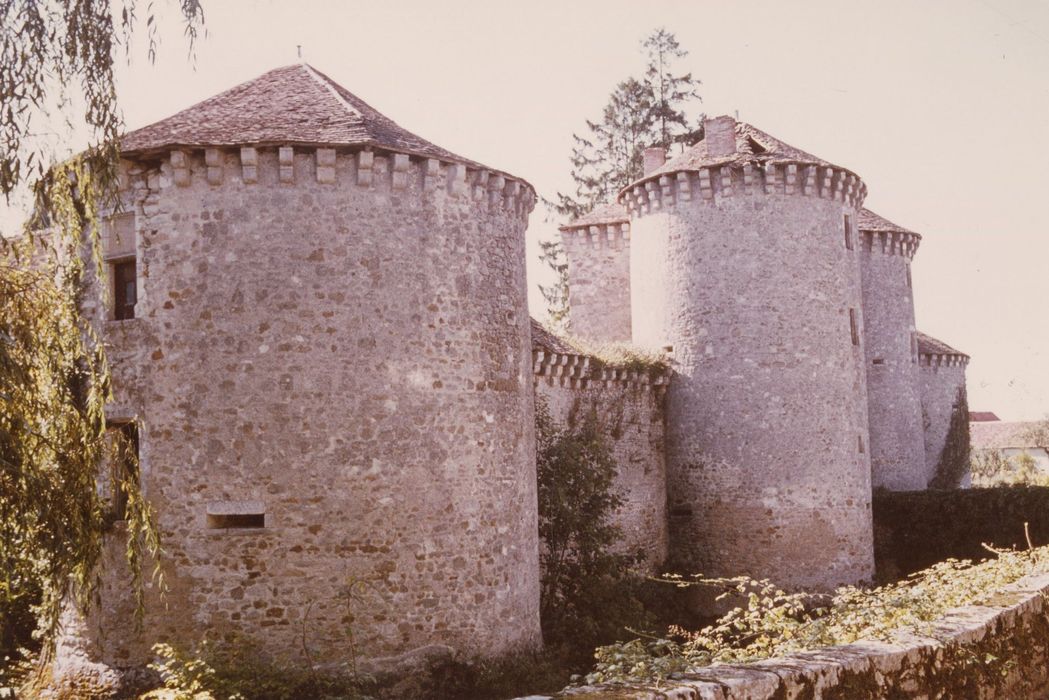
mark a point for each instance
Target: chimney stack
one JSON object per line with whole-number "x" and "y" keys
{"x": 720, "y": 136}
{"x": 654, "y": 159}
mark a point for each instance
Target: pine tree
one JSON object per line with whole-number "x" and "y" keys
{"x": 672, "y": 94}
{"x": 640, "y": 114}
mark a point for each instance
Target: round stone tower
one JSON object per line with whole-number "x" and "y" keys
{"x": 744, "y": 265}
{"x": 893, "y": 384}
{"x": 328, "y": 359}
{"x": 597, "y": 247}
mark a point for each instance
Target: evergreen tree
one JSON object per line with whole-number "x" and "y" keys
{"x": 640, "y": 114}
{"x": 672, "y": 94}
{"x": 556, "y": 294}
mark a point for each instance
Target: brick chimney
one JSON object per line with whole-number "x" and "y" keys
{"x": 720, "y": 136}
{"x": 654, "y": 159}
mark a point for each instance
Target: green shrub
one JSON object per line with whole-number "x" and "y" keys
{"x": 589, "y": 593}
{"x": 239, "y": 672}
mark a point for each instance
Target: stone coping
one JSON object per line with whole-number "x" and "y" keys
{"x": 815, "y": 673}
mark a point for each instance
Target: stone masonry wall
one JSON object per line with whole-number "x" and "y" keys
{"x": 746, "y": 275}
{"x": 598, "y": 281}
{"x": 996, "y": 649}
{"x": 942, "y": 377}
{"x": 893, "y": 387}
{"x": 338, "y": 340}
{"x": 631, "y": 415}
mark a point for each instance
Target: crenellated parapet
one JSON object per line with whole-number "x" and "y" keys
{"x": 614, "y": 235}
{"x": 936, "y": 359}
{"x": 881, "y": 235}
{"x": 370, "y": 168}
{"x": 904, "y": 243}
{"x": 578, "y": 371}
{"x": 936, "y": 353}
{"x": 742, "y": 179}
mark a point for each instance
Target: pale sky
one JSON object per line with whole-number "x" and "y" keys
{"x": 942, "y": 107}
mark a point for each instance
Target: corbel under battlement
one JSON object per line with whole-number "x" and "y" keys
{"x": 938, "y": 359}
{"x": 581, "y": 371}
{"x": 903, "y": 243}
{"x": 338, "y": 167}
{"x": 610, "y": 235}
{"x": 744, "y": 179}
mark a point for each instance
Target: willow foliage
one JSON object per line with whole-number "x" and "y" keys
{"x": 56, "y": 82}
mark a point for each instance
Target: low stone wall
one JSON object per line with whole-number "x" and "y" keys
{"x": 915, "y": 529}
{"x": 996, "y": 650}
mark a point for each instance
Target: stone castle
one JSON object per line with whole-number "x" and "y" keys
{"x": 319, "y": 331}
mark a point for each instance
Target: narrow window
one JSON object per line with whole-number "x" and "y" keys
{"x": 909, "y": 276}
{"x": 227, "y": 515}
{"x": 848, "y": 232}
{"x": 125, "y": 289}
{"x": 859, "y": 439}
{"x": 878, "y": 361}
{"x": 854, "y": 327}
{"x": 223, "y": 521}
{"x": 124, "y": 460}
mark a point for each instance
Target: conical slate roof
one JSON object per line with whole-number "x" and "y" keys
{"x": 927, "y": 345}
{"x": 293, "y": 105}
{"x": 869, "y": 221}
{"x": 752, "y": 146}
{"x": 609, "y": 213}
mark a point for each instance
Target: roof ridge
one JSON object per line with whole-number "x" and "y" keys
{"x": 326, "y": 83}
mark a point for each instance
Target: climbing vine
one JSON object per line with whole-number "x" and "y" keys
{"x": 954, "y": 458}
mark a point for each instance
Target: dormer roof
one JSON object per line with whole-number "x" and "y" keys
{"x": 289, "y": 106}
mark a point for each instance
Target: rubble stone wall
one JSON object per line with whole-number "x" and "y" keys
{"x": 943, "y": 395}
{"x": 599, "y": 281}
{"x": 631, "y": 417}
{"x": 893, "y": 386}
{"x": 338, "y": 341}
{"x": 746, "y": 276}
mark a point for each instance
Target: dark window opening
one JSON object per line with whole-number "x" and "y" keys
{"x": 124, "y": 466}
{"x": 125, "y": 289}
{"x": 848, "y": 232}
{"x": 878, "y": 361}
{"x": 755, "y": 147}
{"x": 859, "y": 439}
{"x": 854, "y": 327}
{"x": 909, "y": 277}
{"x": 231, "y": 520}
{"x": 681, "y": 512}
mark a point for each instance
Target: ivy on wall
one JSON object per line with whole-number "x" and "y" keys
{"x": 954, "y": 458}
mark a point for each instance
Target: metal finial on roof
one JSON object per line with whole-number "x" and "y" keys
{"x": 298, "y": 47}
{"x": 737, "y": 115}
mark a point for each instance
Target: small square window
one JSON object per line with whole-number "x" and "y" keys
{"x": 125, "y": 289}
{"x": 222, "y": 521}
{"x": 228, "y": 515}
